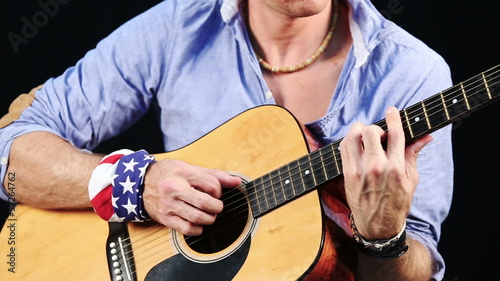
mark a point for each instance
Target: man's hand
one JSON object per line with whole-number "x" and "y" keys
{"x": 380, "y": 183}
{"x": 185, "y": 197}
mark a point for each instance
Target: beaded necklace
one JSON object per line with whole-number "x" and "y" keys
{"x": 313, "y": 57}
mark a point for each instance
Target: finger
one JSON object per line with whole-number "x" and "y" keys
{"x": 211, "y": 181}
{"x": 225, "y": 180}
{"x": 196, "y": 215}
{"x": 169, "y": 212}
{"x": 351, "y": 147}
{"x": 395, "y": 133}
{"x": 372, "y": 141}
{"x": 203, "y": 201}
{"x": 414, "y": 149}
{"x": 182, "y": 225}
{"x": 174, "y": 193}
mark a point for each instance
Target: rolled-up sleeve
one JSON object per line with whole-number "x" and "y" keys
{"x": 101, "y": 96}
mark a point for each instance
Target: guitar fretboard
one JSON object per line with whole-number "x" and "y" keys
{"x": 305, "y": 174}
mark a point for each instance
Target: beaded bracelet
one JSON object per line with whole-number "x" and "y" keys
{"x": 117, "y": 184}
{"x": 381, "y": 249}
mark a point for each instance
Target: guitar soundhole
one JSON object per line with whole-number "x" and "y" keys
{"x": 228, "y": 226}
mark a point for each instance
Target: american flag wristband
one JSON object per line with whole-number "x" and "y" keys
{"x": 117, "y": 183}
{"x": 128, "y": 185}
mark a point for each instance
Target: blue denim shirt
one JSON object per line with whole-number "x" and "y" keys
{"x": 194, "y": 58}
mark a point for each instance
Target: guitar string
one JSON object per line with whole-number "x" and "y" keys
{"x": 190, "y": 240}
{"x": 237, "y": 214}
{"x": 153, "y": 249}
{"x": 438, "y": 102}
{"x": 432, "y": 105}
{"x": 458, "y": 89}
{"x": 270, "y": 180}
{"x": 198, "y": 238}
{"x": 446, "y": 96}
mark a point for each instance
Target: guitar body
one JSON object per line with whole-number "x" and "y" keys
{"x": 275, "y": 227}
{"x": 291, "y": 242}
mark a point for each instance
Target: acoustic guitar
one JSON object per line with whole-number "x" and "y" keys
{"x": 273, "y": 227}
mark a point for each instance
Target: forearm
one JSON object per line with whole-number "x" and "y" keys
{"x": 415, "y": 264}
{"x": 50, "y": 172}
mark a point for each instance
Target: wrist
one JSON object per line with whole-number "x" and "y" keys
{"x": 117, "y": 184}
{"x": 386, "y": 249}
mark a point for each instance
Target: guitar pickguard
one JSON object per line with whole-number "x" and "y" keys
{"x": 180, "y": 268}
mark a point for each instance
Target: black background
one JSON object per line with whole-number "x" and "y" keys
{"x": 465, "y": 33}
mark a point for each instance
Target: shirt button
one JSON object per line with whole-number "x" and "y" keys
{"x": 3, "y": 161}
{"x": 269, "y": 94}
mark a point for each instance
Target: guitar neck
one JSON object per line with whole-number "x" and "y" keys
{"x": 305, "y": 174}
{"x": 450, "y": 105}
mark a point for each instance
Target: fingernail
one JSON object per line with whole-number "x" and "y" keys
{"x": 390, "y": 110}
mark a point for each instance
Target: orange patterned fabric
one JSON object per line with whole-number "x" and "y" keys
{"x": 18, "y": 106}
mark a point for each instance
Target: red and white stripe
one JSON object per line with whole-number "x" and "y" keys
{"x": 100, "y": 185}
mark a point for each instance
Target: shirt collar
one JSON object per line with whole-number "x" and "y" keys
{"x": 229, "y": 9}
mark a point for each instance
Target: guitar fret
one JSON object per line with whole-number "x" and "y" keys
{"x": 324, "y": 164}
{"x": 298, "y": 181}
{"x": 270, "y": 194}
{"x": 415, "y": 118}
{"x": 253, "y": 198}
{"x": 477, "y": 92}
{"x": 338, "y": 161}
{"x": 313, "y": 174}
{"x": 487, "y": 86}
{"x": 426, "y": 116}
{"x": 465, "y": 96}
{"x": 435, "y": 111}
{"x": 288, "y": 184}
{"x": 444, "y": 106}
{"x": 318, "y": 169}
{"x": 494, "y": 84}
{"x": 455, "y": 104}
{"x": 410, "y": 130}
{"x": 294, "y": 180}
{"x": 261, "y": 197}
{"x": 279, "y": 193}
{"x": 329, "y": 163}
{"x": 307, "y": 175}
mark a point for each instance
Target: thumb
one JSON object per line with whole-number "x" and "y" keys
{"x": 414, "y": 148}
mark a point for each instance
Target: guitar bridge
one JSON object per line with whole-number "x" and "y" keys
{"x": 119, "y": 253}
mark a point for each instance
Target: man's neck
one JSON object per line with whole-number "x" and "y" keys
{"x": 285, "y": 35}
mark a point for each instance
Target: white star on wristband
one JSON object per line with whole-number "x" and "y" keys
{"x": 130, "y": 207}
{"x": 127, "y": 185}
{"x": 130, "y": 165}
{"x": 143, "y": 171}
{"x": 118, "y": 219}
{"x": 114, "y": 200}
{"x": 126, "y": 198}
